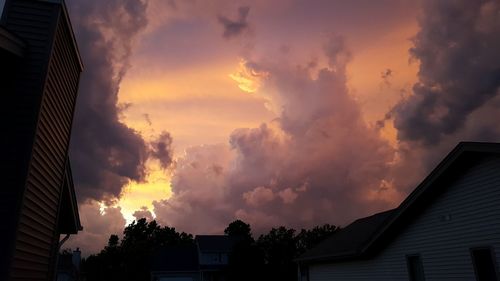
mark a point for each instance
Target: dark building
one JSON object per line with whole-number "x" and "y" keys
{"x": 40, "y": 68}
{"x": 176, "y": 262}
{"x": 68, "y": 266}
{"x": 213, "y": 255}
{"x": 205, "y": 260}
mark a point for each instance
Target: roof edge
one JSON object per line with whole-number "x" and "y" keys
{"x": 429, "y": 180}
{"x": 11, "y": 42}
{"x": 435, "y": 174}
{"x": 72, "y": 34}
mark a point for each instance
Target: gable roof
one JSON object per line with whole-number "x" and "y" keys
{"x": 348, "y": 240}
{"x": 69, "y": 220}
{"x": 215, "y": 243}
{"x": 367, "y": 236}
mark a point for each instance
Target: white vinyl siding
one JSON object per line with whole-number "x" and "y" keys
{"x": 466, "y": 216}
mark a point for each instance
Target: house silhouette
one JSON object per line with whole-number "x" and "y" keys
{"x": 206, "y": 259}
{"x": 40, "y": 68}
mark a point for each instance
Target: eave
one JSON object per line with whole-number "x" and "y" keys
{"x": 11, "y": 43}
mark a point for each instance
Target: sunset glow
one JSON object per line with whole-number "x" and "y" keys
{"x": 248, "y": 80}
{"x": 197, "y": 113}
{"x": 138, "y": 195}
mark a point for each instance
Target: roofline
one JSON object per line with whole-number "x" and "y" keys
{"x": 346, "y": 255}
{"x": 70, "y": 27}
{"x": 72, "y": 34}
{"x": 66, "y": 17}
{"x": 326, "y": 258}
{"x": 442, "y": 167}
{"x": 74, "y": 201}
{"x": 435, "y": 174}
{"x": 11, "y": 42}
{"x": 71, "y": 202}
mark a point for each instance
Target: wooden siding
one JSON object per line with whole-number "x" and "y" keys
{"x": 44, "y": 101}
{"x": 472, "y": 202}
{"x": 33, "y": 23}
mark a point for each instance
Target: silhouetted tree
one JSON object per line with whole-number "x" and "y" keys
{"x": 307, "y": 239}
{"x": 271, "y": 257}
{"x": 282, "y": 245}
{"x": 130, "y": 258}
{"x": 239, "y": 228}
{"x": 113, "y": 241}
{"x": 246, "y": 260}
{"x": 279, "y": 251}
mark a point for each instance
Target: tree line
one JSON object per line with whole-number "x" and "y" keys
{"x": 269, "y": 257}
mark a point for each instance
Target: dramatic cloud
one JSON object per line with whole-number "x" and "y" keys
{"x": 143, "y": 213}
{"x": 260, "y": 195}
{"x": 317, "y": 158}
{"x": 233, "y": 28}
{"x": 200, "y": 187}
{"x": 459, "y": 69}
{"x": 98, "y": 226}
{"x": 161, "y": 149}
{"x": 301, "y": 149}
{"x": 105, "y": 153}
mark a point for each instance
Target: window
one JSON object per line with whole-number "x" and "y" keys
{"x": 304, "y": 273}
{"x": 415, "y": 268}
{"x": 483, "y": 259}
{"x": 2, "y": 3}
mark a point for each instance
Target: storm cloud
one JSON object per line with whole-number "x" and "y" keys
{"x": 99, "y": 223}
{"x": 318, "y": 161}
{"x": 143, "y": 213}
{"x": 233, "y": 28}
{"x": 317, "y": 158}
{"x": 105, "y": 153}
{"x": 457, "y": 47}
{"x": 161, "y": 149}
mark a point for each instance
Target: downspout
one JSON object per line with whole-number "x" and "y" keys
{"x": 59, "y": 245}
{"x": 62, "y": 242}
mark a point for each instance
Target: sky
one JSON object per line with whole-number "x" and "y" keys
{"x": 288, "y": 112}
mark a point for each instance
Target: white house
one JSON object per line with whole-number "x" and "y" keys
{"x": 447, "y": 229}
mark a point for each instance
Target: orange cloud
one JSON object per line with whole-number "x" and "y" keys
{"x": 248, "y": 80}
{"x": 137, "y": 195}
